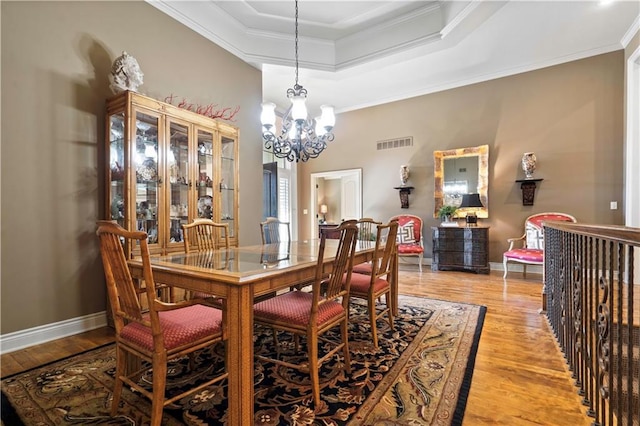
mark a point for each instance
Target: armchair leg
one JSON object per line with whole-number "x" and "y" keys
{"x": 504, "y": 266}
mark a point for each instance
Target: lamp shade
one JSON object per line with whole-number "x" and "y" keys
{"x": 470, "y": 201}
{"x": 323, "y": 209}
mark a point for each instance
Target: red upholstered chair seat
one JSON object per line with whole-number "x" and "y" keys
{"x": 294, "y": 307}
{"x": 363, "y": 268}
{"x": 528, "y": 255}
{"x": 410, "y": 248}
{"x": 180, "y": 327}
{"x": 360, "y": 284}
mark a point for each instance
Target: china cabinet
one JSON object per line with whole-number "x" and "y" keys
{"x": 167, "y": 166}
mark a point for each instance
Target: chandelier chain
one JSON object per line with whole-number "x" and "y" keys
{"x": 296, "y": 42}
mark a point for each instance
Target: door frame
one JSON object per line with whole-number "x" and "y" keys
{"x": 336, "y": 174}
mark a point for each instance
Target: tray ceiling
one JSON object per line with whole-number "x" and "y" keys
{"x": 355, "y": 54}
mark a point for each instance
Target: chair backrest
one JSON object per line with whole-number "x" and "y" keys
{"x": 336, "y": 285}
{"x": 272, "y": 229}
{"x": 534, "y": 231}
{"x": 385, "y": 249}
{"x": 367, "y": 229}
{"x": 409, "y": 228}
{"x": 122, "y": 291}
{"x": 205, "y": 234}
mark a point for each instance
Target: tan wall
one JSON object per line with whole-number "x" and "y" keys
{"x": 570, "y": 115}
{"x": 56, "y": 57}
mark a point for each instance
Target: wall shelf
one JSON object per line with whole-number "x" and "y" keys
{"x": 404, "y": 195}
{"x": 528, "y": 187}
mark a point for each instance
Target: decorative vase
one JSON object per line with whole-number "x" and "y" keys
{"x": 529, "y": 164}
{"x": 404, "y": 174}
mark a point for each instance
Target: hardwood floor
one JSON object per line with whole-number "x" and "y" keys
{"x": 520, "y": 377}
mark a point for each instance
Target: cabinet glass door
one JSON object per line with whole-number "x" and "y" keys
{"x": 178, "y": 172}
{"x": 116, "y": 169}
{"x": 147, "y": 180}
{"x": 204, "y": 184}
{"x": 227, "y": 182}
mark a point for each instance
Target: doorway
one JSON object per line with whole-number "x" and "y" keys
{"x": 340, "y": 191}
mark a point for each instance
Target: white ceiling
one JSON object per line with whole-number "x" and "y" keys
{"x": 354, "y": 54}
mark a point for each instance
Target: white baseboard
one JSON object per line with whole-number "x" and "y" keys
{"x": 494, "y": 266}
{"x": 34, "y": 336}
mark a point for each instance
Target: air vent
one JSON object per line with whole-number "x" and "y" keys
{"x": 395, "y": 143}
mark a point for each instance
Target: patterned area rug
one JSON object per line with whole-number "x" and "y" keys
{"x": 420, "y": 374}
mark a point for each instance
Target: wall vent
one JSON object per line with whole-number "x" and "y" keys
{"x": 395, "y": 143}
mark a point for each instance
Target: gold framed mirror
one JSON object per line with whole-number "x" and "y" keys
{"x": 458, "y": 172}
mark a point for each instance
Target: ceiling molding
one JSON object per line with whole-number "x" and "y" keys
{"x": 353, "y": 56}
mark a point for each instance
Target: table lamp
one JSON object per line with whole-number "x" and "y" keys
{"x": 323, "y": 210}
{"x": 470, "y": 202}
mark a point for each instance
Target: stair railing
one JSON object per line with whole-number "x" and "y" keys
{"x": 592, "y": 297}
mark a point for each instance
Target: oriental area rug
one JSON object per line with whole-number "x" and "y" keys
{"x": 419, "y": 375}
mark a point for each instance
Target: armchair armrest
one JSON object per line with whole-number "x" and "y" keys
{"x": 165, "y": 306}
{"x": 512, "y": 241}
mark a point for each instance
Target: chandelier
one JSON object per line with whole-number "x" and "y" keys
{"x": 301, "y": 138}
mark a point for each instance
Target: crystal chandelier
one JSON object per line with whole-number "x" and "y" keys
{"x": 301, "y": 137}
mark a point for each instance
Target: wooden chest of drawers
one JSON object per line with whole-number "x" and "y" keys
{"x": 460, "y": 249}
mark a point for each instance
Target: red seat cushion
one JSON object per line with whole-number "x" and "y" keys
{"x": 527, "y": 255}
{"x": 294, "y": 307}
{"x": 410, "y": 249}
{"x": 360, "y": 284}
{"x": 363, "y": 268}
{"x": 179, "y": 327}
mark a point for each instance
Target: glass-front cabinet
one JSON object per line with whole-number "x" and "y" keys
{"x": 166, "y": 167}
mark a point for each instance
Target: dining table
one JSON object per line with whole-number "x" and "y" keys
{"x": 240, "y": 275}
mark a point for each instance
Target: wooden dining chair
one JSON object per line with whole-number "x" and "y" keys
{"x": 373, "y": 286}
{"x": 366, "y": 232}
{"x": 166, "y": 332}
{"x": 205, "y": 234}
{"x": 312, "y": 314}
{"x": 273, "y": 230}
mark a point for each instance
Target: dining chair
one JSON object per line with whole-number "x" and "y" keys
{"x": 205, "y": 234}
{"x": 165, "y": 332}
{"x": 312, "y": 314}
{"x": 372, "y": 287}
{"x": 366, "y": 232}
{"x": 273, "y": 230}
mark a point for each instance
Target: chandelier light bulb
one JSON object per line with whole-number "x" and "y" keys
{"x": 268, "y": 115}
{"x": 320, "y": 130}
{"x": 328, "y": 117}
{"x": 298, "y": 108}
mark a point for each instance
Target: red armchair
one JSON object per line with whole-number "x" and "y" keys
{"x": 409, "y": 237}
{"x": 531, "y": 243}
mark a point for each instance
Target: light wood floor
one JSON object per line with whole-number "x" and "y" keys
{"x": 520, "y": 377}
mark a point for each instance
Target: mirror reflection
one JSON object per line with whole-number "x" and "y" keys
{"x": 458, "y": 172}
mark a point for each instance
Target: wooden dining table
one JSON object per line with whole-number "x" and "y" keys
{"x": 239, "y": 275}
